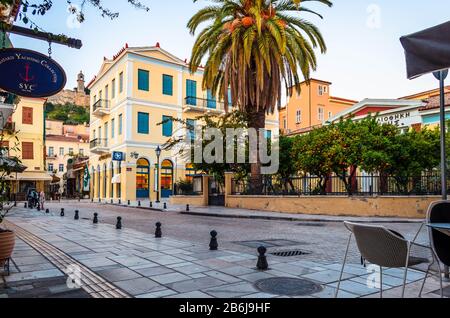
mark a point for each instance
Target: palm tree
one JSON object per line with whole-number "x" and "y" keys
{"x": 253, "y": 48}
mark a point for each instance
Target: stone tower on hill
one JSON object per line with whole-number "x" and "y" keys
{"x": 78, "y": 96}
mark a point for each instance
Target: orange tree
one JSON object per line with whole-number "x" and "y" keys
{"x": 254, "y": 48}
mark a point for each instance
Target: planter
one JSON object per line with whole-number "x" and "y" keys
{"x": 7, "y": 242}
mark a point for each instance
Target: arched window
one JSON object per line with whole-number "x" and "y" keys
{"x": 166, "y": 178}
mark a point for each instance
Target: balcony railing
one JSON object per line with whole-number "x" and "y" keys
{"x": 101, "y": 107}
{"x": 52, "y": 156}
{"x": 202, "y": 104}
{"x": 99, "y": 145}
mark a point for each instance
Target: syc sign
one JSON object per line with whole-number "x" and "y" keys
{"x": 30, "y": 74}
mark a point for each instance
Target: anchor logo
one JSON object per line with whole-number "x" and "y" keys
{"x": 27, "y": 77}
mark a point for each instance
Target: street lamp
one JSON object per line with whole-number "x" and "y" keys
{"x": 158, "y": 155}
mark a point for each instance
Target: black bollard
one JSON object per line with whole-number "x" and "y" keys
{"x": 165, "y": 206}
{"x": 119, "y": 223}
{"x": 39, "y": 208}
{"x": 213, "y": 246}
{"x": 158, "y": 233}
{"x": 188, "y": 208}
{"x": 151, "y": 204}
{"x": 99, "y": 200}
{"x": 112, "y": 201}
{"x": 47, "y": 211}
{"x": 62, "y": 212}
{"x": 95, "y": 218}
{"x": 120, "y": 201}
{"x": 262, "y": 264}
{"x": 25, "y": 205}
{"x": 139, "y": 203}
{"x": 129, "y": 202}
{"x": 77, "y": 215}
{"x": 92, "y": 200}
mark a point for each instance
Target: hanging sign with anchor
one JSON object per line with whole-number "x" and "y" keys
{"x": 30, "y": 74}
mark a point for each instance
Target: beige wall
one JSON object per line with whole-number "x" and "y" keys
{"x": 406, "y": 207}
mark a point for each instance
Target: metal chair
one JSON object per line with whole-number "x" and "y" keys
{"x": 383, "y": 247}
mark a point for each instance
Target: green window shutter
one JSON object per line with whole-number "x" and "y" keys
{"x": 211, "y": 103}
{"x": 143, "y": 123}
{"x": 191, "y": 92}
{"x": 167, "y": 85}
{"x": 143, "y": 80}
{"x": 191, "y": 129}
{"x": 167, "y": 126}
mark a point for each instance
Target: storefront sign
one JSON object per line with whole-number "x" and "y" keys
{"x": 118, "y": 156}
{"x": 30, "y": 74}
{"x": 404, "y": 119}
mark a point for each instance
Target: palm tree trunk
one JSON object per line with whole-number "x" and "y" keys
{"x": 257, "y": 121}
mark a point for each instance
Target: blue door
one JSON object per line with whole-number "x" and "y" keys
{"x": 191, "y": 92}
{"x": 143, "y": 179}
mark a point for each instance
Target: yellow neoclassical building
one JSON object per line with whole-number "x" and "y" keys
{"x": 133, "y": 92}
{"x": 28, "y": 144}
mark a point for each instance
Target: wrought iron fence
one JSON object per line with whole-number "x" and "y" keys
{"x": 427, "y": 184}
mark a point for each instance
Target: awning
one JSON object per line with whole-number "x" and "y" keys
{"x": 427, "y": 51}
{"x": 11, "y": 165}
{"x": 32, "y": 176}
{"x": 116, "y": 179}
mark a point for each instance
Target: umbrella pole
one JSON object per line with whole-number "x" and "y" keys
{"x": 443, "y": 146}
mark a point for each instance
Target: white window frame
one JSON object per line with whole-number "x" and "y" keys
{"x": 321, "y": 113}
{"x": 298, "y": 116}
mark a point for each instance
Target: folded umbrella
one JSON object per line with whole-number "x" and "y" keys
{"x": 428, "y": 50}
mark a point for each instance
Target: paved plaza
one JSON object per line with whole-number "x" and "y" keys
{"x": 61, "y": 257}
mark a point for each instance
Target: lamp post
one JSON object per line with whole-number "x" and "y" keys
{"x": 158, "y": 155}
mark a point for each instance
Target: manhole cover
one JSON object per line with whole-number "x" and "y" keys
{"x": 312, "y": 224}
{"x": 290, "y": 253}
{"x": 269, "y": 243}
{"x": 285, "y": 286}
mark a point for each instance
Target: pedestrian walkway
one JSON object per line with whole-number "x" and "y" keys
{"x": 130, "y": 263}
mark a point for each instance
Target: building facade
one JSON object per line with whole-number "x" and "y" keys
{"x": 310, "y": 108}
{"x": 132, "y": 94}
{"x": 27, "y": 125}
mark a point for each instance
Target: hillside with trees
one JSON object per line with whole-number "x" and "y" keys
{"x": 70, "y": 114}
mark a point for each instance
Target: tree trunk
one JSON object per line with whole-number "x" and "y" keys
{"x": 257, "y": 121}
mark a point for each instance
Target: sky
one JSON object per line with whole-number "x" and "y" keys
{"x": 364, "y": 57}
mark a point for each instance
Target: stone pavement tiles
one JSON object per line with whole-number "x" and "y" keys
{"x": 146, "y": 267}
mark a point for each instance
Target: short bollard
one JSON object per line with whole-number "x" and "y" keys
{"x": 62, "y": 212}
{"x": 112, "y": 202}
{"x": 92, "y": 200}
{"x": 77, "y": 215}
{"x": 119, "y": 223}
{"x": 129, "y": 202}
{"x": 25, "y": 205}
{"x": 95, "y": 218}
{"x": 151, "y": 204}
{"x": 99, "y": 200}
{"x": 120, "y": 201}
{"x": 158, "y": 233}
{"x": 262, "y": 264}
{"x": 213, "y": 245}
{"x": 47, "y": 211}
{"x": 139, "y": 203}
{"x": 165, "y": 206}
{"x": 188, "y": 208}
{"x": 38, "y": 208}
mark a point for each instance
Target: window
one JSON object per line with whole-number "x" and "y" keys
{"x": 143, "y": 123}
{"x": 191, "y": 129}
{"x": 61, "y": 168}
{"x": 320, "y": 114}
{"x": 93, "y": 134}
{"x": 51, "y": 151}
{"x": 299, "y": 116}
{"x": 100, "y": 95}
{"x": 191, "y": 92}
{"x": 27, "y": 116}
{"x": 284, "y": 122}
{"x": 27, "y": 151}
{"x": 120, "y": 124}
{"x": 81, "y": 152}
{"x": 113, "y": 128}
{"x": 107, "y": 92}
{"x": 320, "y": 90}
{"x": 211, "y": 100}
{"x": 143, "y": 80}
{"x": 4, "y": 148}
{"x": 268, "y": 134}
{"x": 167, "y": 126}
{"x": 95, "y": 99}
{"x": 100, "y": 133}
{"x": 61, "y": 151}
{"x": 121, "y": 82}
{"x": 113, "y": 88}
{"x": 71, "y": 151}
{"x": 330, "y": 115}
{"x": 167, "y": 85}
{"x": 50, "y": 167}
{"x": 325, "y": 89}
{"x": 106, "y": 132}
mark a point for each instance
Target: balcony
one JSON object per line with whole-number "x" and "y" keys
{"x": 194, "y": 104}
{"x": 52, "y": 157}
{"x": 101, "y": 108}
{"x": 99, "y": 146}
